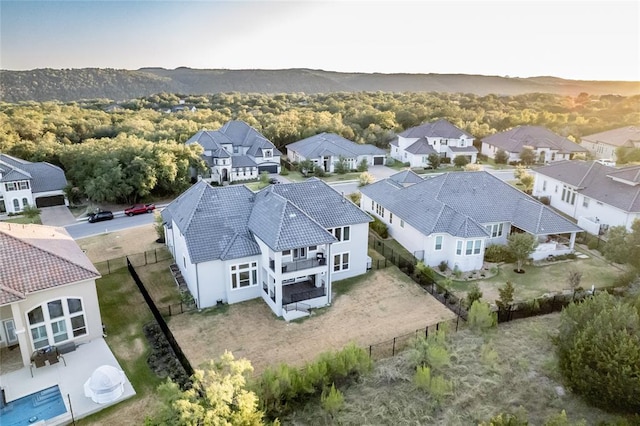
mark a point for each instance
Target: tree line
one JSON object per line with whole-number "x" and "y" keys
{"x": 74, "y": 134}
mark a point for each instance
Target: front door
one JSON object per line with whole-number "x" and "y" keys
{"x": 10, "y": 332}
{"x": 300, "y": 253}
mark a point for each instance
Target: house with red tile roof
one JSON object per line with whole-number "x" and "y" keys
{"x": 48, "y": 291}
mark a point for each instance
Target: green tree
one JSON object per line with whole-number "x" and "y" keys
{"x": 473, "y": 294}
{"x": 434, "y": 160}
{"x": 460, "y": 161}
{"x": 506, "y": 296}
{"x": 30, "y": 211}
{"x": 341, "y": 166}
{"x": 615, "y": 249}
{"x": 218, "y": 396}
{"x": 365, "y": 178}
{"x": 363, "y": 165}
{"x": 521, "y": 245}
{"x": 527, "y": 156}
{"x": 501, "y": 156}
{"x": 633, "y": 245}
{"x": 158, "y": 226}
{"x": 332, "y": 400}
{"x": 598, "y": 348}
{"x": 480, "y": 316}
{"x": 527, "y": 180}
{"x": 306, "y": 167}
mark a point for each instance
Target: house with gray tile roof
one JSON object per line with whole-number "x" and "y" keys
{"x": 597, "y": 196}
{"x": 547, "y": 146}
{"x": 286, "y": 243}
{"x": 326, "y": 149}
{"x": 603, "y": 145}
{"x": 440, "y": 137}
{"x": 453, "y": 217}
{"x": 24, "y": 183}
{"x": 47, "y": 289}
{"x": 236, "y": 152}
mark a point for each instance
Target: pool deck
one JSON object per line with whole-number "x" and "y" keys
{"x": 81, "y": 363}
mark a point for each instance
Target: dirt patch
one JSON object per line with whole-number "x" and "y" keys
{"x": 120, "y": 243}
{"x": 384, "y": 305}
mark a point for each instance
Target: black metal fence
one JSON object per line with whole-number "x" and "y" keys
{"x": 177, "y": 308}
{"x": 160, "y": 320}
{"x": 139, "y": 259}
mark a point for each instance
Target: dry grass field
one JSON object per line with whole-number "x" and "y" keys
{"x": 120, "y": 243}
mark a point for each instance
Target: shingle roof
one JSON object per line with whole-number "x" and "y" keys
{"x": 219, "y": 223}
{"x": 242, "y": 161}
{"x": 331, "y": 144}
{"x": 406, "y": 176}
{"x": 459, "y": 203}
{"x": 460, "y": 149}
{"x": 421, "y": 147}
{"x": 35, "y": 258}
{"x": 236, "y": 133}
{"x": 436, "y": 129}
{"x": 619, "y": 188}
{"x": 624, "y": 136}
{"x": 44, "y": 177}
{"x": 515, "y": 139}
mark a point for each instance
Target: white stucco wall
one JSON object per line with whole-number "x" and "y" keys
{"x": 20, "y": 194}
{"x": 357, "y": 246}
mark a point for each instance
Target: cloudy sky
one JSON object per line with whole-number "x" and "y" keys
{"x": 577, "y": 39}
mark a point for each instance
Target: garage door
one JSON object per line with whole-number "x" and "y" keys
{"x": 54, "y": 200}
{"x": 268, "y": 168}
{"x": 378, "y": 161}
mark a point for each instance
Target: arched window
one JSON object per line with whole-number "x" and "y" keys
{"x": 25, "y": 202}
{"x": 56, "y": 321}
{"x": 16, "y": 204}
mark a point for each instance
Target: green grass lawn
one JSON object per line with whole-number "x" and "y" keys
{"x": 24, "y": 220}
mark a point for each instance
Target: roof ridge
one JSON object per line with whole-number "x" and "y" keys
{"x": 224, "y": 252}
{"x": 585, "y": 175}
{"x": 635, "y": 197}
{"x": 189, "y": 221}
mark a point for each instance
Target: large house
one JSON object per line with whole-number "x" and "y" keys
{"x": 236, "y": 152}
{"x": 440, "y": 137}
{"x": 23, "y": 183}
{"x": 604, "y": 145}
{"x": 326, "y": 149}
{"x": 453, "y": 217}
{"x": 597, "y": 196}
{"x": 47, "y": 289}
{"x": 286, "y": 243}
{"x": 546, "y": 145}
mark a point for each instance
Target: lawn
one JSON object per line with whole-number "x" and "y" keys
{"x": 512, "y": 369}
{"x": 24, "y": 220}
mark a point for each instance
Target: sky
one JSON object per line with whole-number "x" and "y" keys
{"x": 574, "y": 39}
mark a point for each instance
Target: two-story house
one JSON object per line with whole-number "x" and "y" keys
{"x": 597, "y": 196}
{"x": 546, "y": 145}
{"x": 453, "y": 217}
{"x": 286, "y": 243}
{"x": 23, "y": 183}
{"x": 236, "y": 152}
{"x": 414, "y": 145}
{"x": 604, "y": 145}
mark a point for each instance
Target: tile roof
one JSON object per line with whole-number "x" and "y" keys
{"x": 619, "y": 188}
{"x": 44, "y": 177}
{"x": 220, "y": 222}
{"x": 406, "y": 176}
{"x": 35, "y": 258}
{"x": 623, "y": 136}
{"x": 236, "y": 133}
{"x": 324, "y": 144}
{"x": 460, "y": 203}
{"x": 421, "y": 147}
{"x": 515, "y": 139}
{"x": 242, "y": 161}
{"x": 436, "y": 129}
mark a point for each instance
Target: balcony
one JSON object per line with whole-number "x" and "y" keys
{"x": 300, "y": 265}
{"x": 298, "y": 292}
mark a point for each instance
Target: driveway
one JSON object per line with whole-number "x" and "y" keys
{"x": 56, "y": 216}
{"x": 381, "y": 172}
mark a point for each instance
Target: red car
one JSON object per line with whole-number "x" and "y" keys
{"x": 139, "y": 208}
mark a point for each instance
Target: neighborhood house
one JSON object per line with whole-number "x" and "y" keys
{"x": 604, "y": 145}
{"x": 546, "y": 145}
{"x": 48, "y": 292}
{"x": 236, "y": 152}
{"x": 414, "y": 145}
{"x": 327, "y": 149}
{"x": 23, "y": 184}
{"x": 453, "y": 217}
{"x": 286, "y": 243}
{"x": 597, "y": 196}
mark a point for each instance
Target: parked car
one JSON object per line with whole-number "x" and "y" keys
{"x": 139, "y": 208}
{"x": 100, "y": 216}
{"x": 273, "y": 181}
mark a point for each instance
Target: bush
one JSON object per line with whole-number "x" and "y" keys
{"x": 501, "y": 157}
{"x": 496, "y": 253}
{"x": 599, "y": 351}
{"x": 626, "y": 278}
{"x": 460, "y": 161}
{"x": 593, "y": 243}
{"x": 473, "y": 294}
{"x": 426, "y": 274}
{"x": 319, "y": 171}
{"x": 442, "y": 266}
{"x": 445, "y": 160}
{"x": 379, "y": 228}
{"x": 480, "y": 316}
{"x": 545, "y": 200}
{"x": 284, "y": 171}
{"x": 363, "y": 166}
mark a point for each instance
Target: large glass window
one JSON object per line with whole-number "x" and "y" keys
{"x": 439, "y": 239}
{"x": 244, "y": 275}
{"x": 341, "y": 262}
{"x": 342, "y": 233}
{"x": 495, "y": 230}
{"x": 50, "y": 323}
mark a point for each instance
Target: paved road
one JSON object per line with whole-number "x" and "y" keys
{"x": 119, "y": 222}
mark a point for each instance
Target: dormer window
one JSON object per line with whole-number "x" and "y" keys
{"x": 267, "y": 153}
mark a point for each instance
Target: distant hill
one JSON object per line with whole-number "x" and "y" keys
{"x": 119, "y": 85}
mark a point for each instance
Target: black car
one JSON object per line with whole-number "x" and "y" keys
{"x": 100, "y": 216}
{"x": 273, "y": 181}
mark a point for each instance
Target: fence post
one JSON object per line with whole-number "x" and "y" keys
{"x": 369, "y": 351}
{"x": 169, "y": 310}
{"x": 458, "y": 317}
{"x": 145, "y": 258}
{"x": 426, "y": 332}
{"x": 438, "y": 327}
{"x": 155, "y": 254}
{"x": 108, "y": 267}
{"x": 393, "y": 350}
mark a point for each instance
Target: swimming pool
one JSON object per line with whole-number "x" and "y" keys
{"x": 43, "y": 405}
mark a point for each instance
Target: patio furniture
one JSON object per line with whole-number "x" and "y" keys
{"x": 40, "y": 357}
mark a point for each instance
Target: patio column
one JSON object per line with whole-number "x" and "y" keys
{"x": 572, "y": 240}
{"x": 21, "y": 333}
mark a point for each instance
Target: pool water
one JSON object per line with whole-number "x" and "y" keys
{"x": 43, "y": 405}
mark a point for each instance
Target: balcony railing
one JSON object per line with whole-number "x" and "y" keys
{"x": 298, "y": 292}
{"x": 299, "y": 265}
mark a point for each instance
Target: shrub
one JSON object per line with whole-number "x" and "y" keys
{"x": 599, "y": 351}
{"x": 457, "y": 272}
{"x": 473, "y": 294}
{"x": 284, "y": 171}
{"x": 390, "y": 161}
{"x": 593, "y": 243}
{"x": 442, "y": 266}
{"x": 501, "y": 157}
{"x": 626, "y": 278}
{"x": 426, "y": 274}
{"x": 319, "y": 171}
{"x": 480, "y": 316}
{"x": 341, "y": 167}
{"x": 363, "y": 166}
{"x": 436, "y": 386}
{"x": 355, "y": 197}
{"x": 30, "y": 211}
{"x": 365, "y": 178}
{"x": 496, "y": 253}
{"x": 445, "y": 160}
{"x": 545, "y": 200}
{"x": 460, "y": 161}
{"x": 379, "y": 228}
{"x": 332, "y": 400}
{"x": 506, "y": 296}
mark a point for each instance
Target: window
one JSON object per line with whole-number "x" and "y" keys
{"x": 439, "y": 239}
{"x": 476, "y": 246}
{"x": 235, "y": 149}
{"x": 544, "y": 185}
{"x": 585, "y": 202}
{"x": 401, "y": 223}
{"x": 379, "y": 210}
{"x": 23, "y": 184}
{"x": 267, "y": 153}
{"x": 16, "y": 204}
{"x": 25, "y": 202}
{"x": 469, "y": 249}
{"x": 390, "y": 217}
{"x": 340, "y": 262}
{"x": 568, "y": 195}
{"x": 56, "y": 321}
{"x": 342, "y": 233}
{"x": 556, "y": 190}
{"x": 244, "y": 275}
{"x": 10, "y": 186}
{"x": 286, "y": 252}
{"x": 495, "y": 230}
{"x": 459, "y": 247}
{"x": 313, "y": 248}
{"x": 373, "y": 205}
